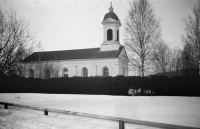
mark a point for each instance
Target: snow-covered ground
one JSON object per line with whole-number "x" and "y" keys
{"x": 173, "y": 110}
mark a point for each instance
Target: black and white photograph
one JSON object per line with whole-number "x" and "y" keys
{"x": 99, "y": 64}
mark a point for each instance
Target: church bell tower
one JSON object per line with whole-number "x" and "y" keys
{"x": 111, "y": 28}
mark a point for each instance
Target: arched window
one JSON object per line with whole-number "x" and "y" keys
{"x": 84, "y": 72}
{"x": 31, "y": 73}
{"x": 65, "y": 72}
{"x": 47, "y": 73}
{"x": 109, "y": 34}
{"x": 117, "y": 35}
{"x": 105, "y": 71}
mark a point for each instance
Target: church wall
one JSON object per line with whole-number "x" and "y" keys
{"x": 123, "y": 61}
{"x": 116, "y": 66}
{"x": 39, "y": 69}
{"x": 109, "y": 47}
{"x": 94, "y": 67}
{"x": 123, "y": 69}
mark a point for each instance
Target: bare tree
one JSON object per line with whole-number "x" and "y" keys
{"x": 21, "y": 54}
{"x": 192, "y": 37}
{"x": 15, "y": 41}
{"x": 190, "y": 61}
{"x": 176, "y": 62}
{"x": 142, "y": 31}
{"x": 162, "y": 57}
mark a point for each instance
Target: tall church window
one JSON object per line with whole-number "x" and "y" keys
{"x": 47, "y": 73}
{"x": 105, "y": 71}
{"x": 109, "y": 34}
{"x": 117, "y": 35}
{"x": 65, "y": 72}
{"x": 31, "y": 73}
{"x": 84, "y": 72}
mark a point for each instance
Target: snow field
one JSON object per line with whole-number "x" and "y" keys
{"x": 183, "y": 111}
{"x": 29, "y": 119}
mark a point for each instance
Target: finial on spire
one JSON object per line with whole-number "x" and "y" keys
{"x": 111, "y": 8}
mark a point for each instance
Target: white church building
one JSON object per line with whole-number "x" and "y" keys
{"x": 110, "y": 59}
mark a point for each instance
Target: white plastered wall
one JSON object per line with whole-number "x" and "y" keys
{"x": 123, "y": 63}
{"x": 94, "y": 66}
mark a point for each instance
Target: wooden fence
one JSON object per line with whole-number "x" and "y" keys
{"x": 121, "y": 121}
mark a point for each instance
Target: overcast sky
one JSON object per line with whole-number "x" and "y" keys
{"x": 76, "y": 24}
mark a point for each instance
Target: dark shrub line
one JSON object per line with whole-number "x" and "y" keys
{"x": 160, "y": 85}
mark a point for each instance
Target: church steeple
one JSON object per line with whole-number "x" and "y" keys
{"x": 111, "y": 8}
{"x": 111, "y": 25}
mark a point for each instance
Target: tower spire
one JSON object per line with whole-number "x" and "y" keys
{"x": 111, "y": 8}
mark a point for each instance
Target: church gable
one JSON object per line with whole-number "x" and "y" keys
{"x": 123, "y": 55}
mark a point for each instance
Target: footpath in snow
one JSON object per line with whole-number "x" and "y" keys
{"x": 183, "y": 111}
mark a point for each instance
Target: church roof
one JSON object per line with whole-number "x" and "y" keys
{"x": 90, "y": 53}
{"x": 111, "y": 14}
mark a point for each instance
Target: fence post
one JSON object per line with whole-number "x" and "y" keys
{"x": 45, "y": 112}
{"x": 6, "y": 106}
{"x": 121, "y": 125}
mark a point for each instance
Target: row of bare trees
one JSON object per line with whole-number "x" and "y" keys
{"x": 149, "y": 53}
{"x": 191, "y": 51}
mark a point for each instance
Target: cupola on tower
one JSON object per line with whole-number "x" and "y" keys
{"x": 111, "y": 24}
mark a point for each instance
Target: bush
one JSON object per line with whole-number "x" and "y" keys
{"x": 160, "y": 85}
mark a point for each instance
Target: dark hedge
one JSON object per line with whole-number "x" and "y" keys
{"x": 160, "y": 85}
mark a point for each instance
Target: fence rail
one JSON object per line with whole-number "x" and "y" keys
{"x": 121, "y": 121}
